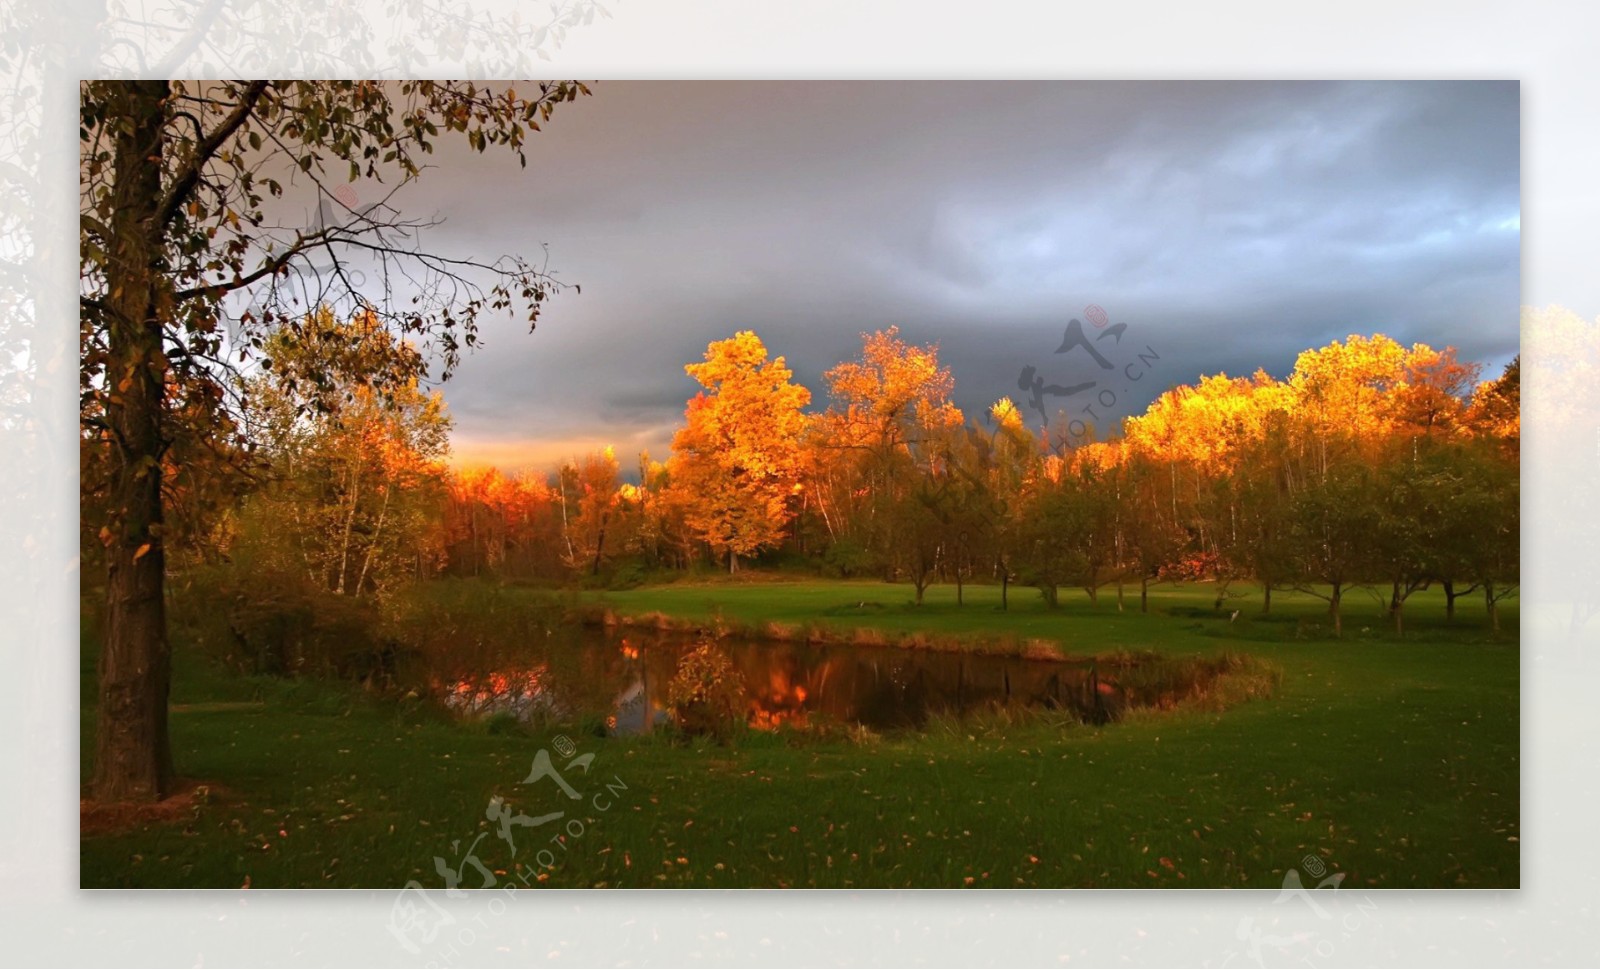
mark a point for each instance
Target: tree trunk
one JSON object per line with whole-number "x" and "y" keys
{"x": 1266, "y": 598}
{"x": 566, "y": 529}
{"x": 1493, "y": 607}
{"x": 372, "y": 544}
{"x": 600, "y": 545}
{"x": 1005, "y": 587}
{"x": 133, "y": 759}
{"x": 1144, "y": 594}
{"x": 349, "y": 520}
{"x": 1449, "y": 601}
{"x": 1333, "y": 610}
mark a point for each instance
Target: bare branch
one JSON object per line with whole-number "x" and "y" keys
{"x": 184, "y": 181}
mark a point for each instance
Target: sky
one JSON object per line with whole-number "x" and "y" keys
{"x": 1228, "y": 226}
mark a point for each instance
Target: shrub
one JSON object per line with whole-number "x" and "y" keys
{"x": 846, "y": 558}
{"x": 1206, "y": 683}
{"x": 629, "y": 575}
{"x": 280, "y": 624}
{"x": 706, "y": 694}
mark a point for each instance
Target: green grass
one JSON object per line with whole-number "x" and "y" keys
{"x": 1177, "y": 613}
{"x": 1394, "y": 760}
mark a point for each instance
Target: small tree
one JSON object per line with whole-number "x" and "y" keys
{"x": 1057, "y": 527}
{"x": 588, "y": 493}
{"x": 1013, "y": 454}
{"x": 916, "y": 528}
{"x": 1334, "y": 524}
{"x": 1155, "y": 539}
{"x": 1406, "y": 544}
{"x": 706, "y": 693}
{"x": 1489, "y": 520}
{"x": 882, "y": 436}
{"x": 354, "y": 476}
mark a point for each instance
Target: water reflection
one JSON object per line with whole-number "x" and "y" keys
{"x": 622, "y": 678}
{"x": 524, "y": 694}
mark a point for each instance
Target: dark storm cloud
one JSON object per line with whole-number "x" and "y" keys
{"x": 1230, "y": 225}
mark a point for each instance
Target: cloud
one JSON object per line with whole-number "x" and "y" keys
{"x": 1231, "y": 225}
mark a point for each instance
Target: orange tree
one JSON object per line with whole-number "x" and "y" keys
{"x": 884, "y": 434}
{"x": 353, "y": 480}
{"x": 736, "y": 461}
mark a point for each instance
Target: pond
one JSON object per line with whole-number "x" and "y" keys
{"x": 622, "y": 676}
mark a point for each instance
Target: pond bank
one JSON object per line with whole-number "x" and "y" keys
{"x": 822, "y": 634}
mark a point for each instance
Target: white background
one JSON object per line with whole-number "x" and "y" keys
{"x": 46, "y": 920}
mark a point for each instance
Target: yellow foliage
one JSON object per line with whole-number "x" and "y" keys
{"x": 893, "y": 388}
{"x": 1004, "y": 414}
{"x": 737, "y": 457}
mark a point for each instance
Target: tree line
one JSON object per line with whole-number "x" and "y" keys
{"x": 1372, "y": 466}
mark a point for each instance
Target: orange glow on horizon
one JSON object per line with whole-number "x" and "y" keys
{"x": 544, "y": 454}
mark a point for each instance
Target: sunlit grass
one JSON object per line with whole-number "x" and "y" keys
{"x": 1181, "y": 618}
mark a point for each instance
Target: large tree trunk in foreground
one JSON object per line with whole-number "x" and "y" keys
{"x": 133, "y": 760}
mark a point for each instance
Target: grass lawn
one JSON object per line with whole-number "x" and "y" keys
{"x": 1395, "y": 760}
